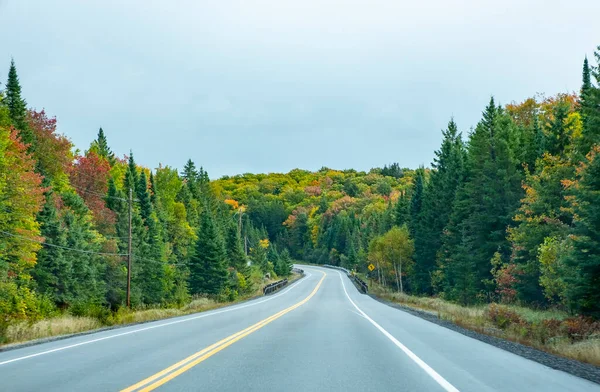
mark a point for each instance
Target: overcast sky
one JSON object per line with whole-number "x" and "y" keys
{"x": 271, "y": 85}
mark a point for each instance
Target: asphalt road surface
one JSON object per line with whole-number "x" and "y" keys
{"x": 319, "y": 334}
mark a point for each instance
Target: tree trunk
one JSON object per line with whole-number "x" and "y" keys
{"x": 400, "y": 270}
{"x": 397, "y": 279}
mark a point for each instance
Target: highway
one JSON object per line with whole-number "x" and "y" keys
{"x": 319, "y": 334}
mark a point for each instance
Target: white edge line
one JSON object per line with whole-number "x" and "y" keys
{"x": 154, "y": 326}
{"x": 432, "y": 373}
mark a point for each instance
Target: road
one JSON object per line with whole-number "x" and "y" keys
{"x": 319, "y": 334}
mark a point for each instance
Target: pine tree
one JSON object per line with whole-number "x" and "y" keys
{"x": 483, "y": 209}
{"x": 235, "y": 252}
{"x": 401, "y": 210}
{"x": 16, "y": 105}
{"x": 283, "y": 265}
{"x": 208, "y": 269}
{"x": 589, "y": 104}
{"x": 416, "y": 203}
{"x": 438, "y": 195}
{"x": 152, "y": 266}
{"x": 583, "y": 262}
{"x": 191, "y": 177}
{"x": 131, "y": 176}
{"x": 52, "y": 271}
{"x": 143, "y": 197}
{"x": 100, "y": 147}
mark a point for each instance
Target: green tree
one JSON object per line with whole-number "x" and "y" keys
{"x": 416, "y": 203}
{"x": 283, "y": 264}
{"x": 235, "y": 252}
{"x": 101, "y": 148}
{"x": 208, "y": 268}
{"x": 583, "y": 262}
{"x": 589, "y": 102}
{"x": 444, "y": 180}
{"x": 16, "y": 104}
{"x": 484, "y": 206}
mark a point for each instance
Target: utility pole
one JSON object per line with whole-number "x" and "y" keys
{"x": 129, "y": 255}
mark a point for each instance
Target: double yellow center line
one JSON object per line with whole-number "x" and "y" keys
{"x": 186, "y": 364}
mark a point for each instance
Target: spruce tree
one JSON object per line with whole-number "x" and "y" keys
{"x": 283, "y": 265}
{"x": 16, "y": 105}
{"x": 191, "y": 177}
{"x": 401, "y": 210}
{"x": 143, "y": 197}
{"x": 152, "y": 266}
{"x": 484, "y": 206}
{"x": 583, "y": 262}
{"x": 52, "y": 270}
{"x": 589, "y": 104}
{"x": 100, "y": 147}
{"x": 208, "y": 268}
{"x": 439, "y": 193}
{"x": 235, "y": 252}
{"x": 131, "y": 176}
{"x": 416, "y": 202}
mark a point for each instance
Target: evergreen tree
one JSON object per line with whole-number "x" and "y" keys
{"x": 143, "y": 197}
{"x": 208, "y": 269}
{"x": 583, "y": 262}
{"x": 235, "y": 252}
{"x": 589, "y": 104}
{"x": 416, "y": 202}
{"x": 100, "y": 147}
{"x": 483, "y": 209}
{"x": 152, "y": 266}
{"x": 401, "y": 210}
{"x": 52, "y": 273}
{"x": 283, "y": 265}
{"x": 131, "y": 176}
{"x": 438, "y": 195}
{"x": 16, "y": 105}
{"x": 191, "y": 177}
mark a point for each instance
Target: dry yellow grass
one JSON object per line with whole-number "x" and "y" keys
{"x": 67, "y": 324}
{"x": 477, "y": 319}
{"x": 57, "y": 326}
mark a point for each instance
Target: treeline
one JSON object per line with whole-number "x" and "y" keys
{"x": 65, "y": 227}
{"x": 508, "y": 213}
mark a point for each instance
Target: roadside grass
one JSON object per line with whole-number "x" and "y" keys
{"x": 553, "y": 331}
{"x": 65, "y": 324}
{"x": 61, "y": 325}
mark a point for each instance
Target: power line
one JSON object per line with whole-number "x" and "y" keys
{"x": 62, "y": 247}
{"x": 98, "y": 194}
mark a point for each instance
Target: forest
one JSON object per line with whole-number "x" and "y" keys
{"x": 507, "y": 212}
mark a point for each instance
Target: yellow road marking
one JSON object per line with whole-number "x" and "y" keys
{"x": 184, "y": 365}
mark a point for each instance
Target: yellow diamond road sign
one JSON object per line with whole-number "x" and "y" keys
{"x": 371, "y": 267}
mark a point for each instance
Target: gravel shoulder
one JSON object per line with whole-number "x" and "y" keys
{"x": 576, "y": 368}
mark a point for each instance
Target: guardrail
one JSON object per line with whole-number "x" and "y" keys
{"x": 337, "y": 268}
{"x": 360, "y": 284}
{"x": 297, "y": 270}
{"x": 271, "y": 287}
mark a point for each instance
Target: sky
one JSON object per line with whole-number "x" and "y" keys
{"x": 273, "y": 85}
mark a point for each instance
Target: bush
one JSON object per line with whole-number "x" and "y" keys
{"x": 99, "y": 312}
{"x": 502, "y": 316}
{"x": 579, "y": 328}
